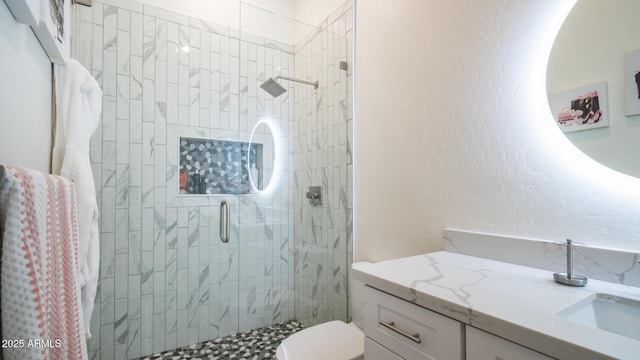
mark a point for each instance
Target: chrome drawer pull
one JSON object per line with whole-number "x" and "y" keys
{"x": 391, "y": 326}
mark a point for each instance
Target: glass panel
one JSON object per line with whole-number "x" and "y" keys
{"x": 281, "y": 62}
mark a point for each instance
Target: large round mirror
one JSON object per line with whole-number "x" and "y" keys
{"x": 593, "y": 81}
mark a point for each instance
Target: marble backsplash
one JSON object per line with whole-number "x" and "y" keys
{"x": 616, "y": 266}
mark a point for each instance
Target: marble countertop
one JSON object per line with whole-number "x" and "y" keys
{"x": 514, "y": 302}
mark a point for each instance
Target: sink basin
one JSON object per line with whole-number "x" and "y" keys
{"x": 606, "y": 312}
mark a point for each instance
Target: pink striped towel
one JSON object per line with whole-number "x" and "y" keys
{"x": 40, "y": 291}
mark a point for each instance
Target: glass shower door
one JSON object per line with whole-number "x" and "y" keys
{"x": 265, "y": 220}
{"x": 291, "y": 75}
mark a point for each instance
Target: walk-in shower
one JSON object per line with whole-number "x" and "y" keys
{"x": 173, "y": 117}
{"x": 274, "y": 89}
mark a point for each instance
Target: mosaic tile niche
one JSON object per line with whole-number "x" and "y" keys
{"x": 209, "y": 166}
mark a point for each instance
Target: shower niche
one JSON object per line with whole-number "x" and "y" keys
{"x": 211, "y": 162}
{"x": 217, "y": 166}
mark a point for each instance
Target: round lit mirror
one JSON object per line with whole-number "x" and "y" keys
{"x": 593, "y": 84}
{"x": 263, "y": 157}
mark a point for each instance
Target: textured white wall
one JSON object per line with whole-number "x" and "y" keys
{"x": 452, "y": 129}
{"x": 607, "y": 32}
{"x": 25, "y": 96}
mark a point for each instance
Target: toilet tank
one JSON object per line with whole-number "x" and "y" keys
{"x": 357, "y": 297}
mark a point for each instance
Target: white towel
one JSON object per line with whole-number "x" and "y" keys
{"x": 41, "y": 315}
{"x": 78, "y": 107}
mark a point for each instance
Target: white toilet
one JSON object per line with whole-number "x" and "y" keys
{"x": 334, "y": 340}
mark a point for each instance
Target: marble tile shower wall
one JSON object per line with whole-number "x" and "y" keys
{"x": 165, "y": 278}
{"x": 323, "y": 138}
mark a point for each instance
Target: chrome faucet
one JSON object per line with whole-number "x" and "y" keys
{"x": 568, "y": 278}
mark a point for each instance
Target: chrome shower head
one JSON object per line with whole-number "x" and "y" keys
{"x": 273, "y": 88}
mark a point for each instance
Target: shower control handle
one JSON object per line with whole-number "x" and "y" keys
{"x": 314, "y": 195}
{"x": 225, "y": 221}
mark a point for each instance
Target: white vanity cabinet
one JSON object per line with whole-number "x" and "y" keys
{"x": 484, "y": 346}
{"x": 398, "y": 329}
{"x": 375, "y": 351}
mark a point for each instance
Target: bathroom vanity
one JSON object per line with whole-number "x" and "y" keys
{"x": 446, "y": 305}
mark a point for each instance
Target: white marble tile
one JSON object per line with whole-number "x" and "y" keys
{"x": 148, "y": 142}
{"x": 97, "y": 11}
{"x": 109, "y": 132}
{"x": 121, "y": 278}
{"x": 193, "y": 268}
{"x": 183, "y": 85}
{"x": 182, "y": 298}
{"x": 124, "y": 19}
{"x": 165, "y": 15}
{"x": 171, "y": 268}
{"x": 107, "y": 341}
{"x": 147, "y": 229}
{"x": 149, "y": 26}
{"x": 122, "y": 231}
{"x": 147, "y": 317}
{"x": 159, "y": 333}
{"x": 135, "y": 179}
{"x": 137, "y": 33}
{"x": 204, "y": 118}
{"x": 107, "y": 255}
{"x": 171, "y": 323}
{"x": 161, "y": 40}
{"x": 133, "y": 349}
{"x": 194, "y": 37}
{"x": 125, "y": 4}
{"x": 159, "y": 295}
{"x": 146, "y": 273}
{"x": 161, "y": 81}
{"x": 122, "y": 99}
{"x": 82, "y": 46}
{"x": 134, "y": 289}
{"x": 182, "y": 328}
{"x": 148, "y": 57}
{"x": 107, "y": 304}
{"x": 173, "y": 53}
{"x": 110, "y": 24}
{"x": 172, "y": 103}
{"x": 122, "y": 144}
{"x": 134, "y": 253}
{"x": 97, "y": 47}
{"x": 194, "y": 107}
{"x": 182, "y": 248}
{"x": 194, "y": 67}
{"x": 146, "y": 345}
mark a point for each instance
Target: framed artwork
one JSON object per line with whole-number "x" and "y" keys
{"x": 632, "y": 80}
{"x": 54, "y": 28}
{"x": 582, "y": 108}
{"x": 25, "y": 11}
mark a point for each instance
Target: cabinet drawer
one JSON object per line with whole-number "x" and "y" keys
{"x": 484, "y": 346}
{"x": 409, "y": 330}
{"x": 374, "y": 351}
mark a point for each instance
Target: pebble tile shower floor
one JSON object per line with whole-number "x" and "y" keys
{"x": 255, "y": 344}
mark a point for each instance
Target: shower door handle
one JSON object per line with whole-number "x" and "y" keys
{"x": 225, "y": 221}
